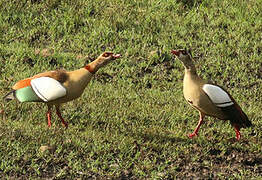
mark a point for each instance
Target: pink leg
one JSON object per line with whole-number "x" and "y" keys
{"x": 60, "y": 116}
{"x": 48, "y": 114}
{"x": 238, "y": 135}
{"x": 201, "y": 118}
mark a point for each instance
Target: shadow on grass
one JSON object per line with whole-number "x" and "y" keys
{"x": 190, "y": 3}
{"x": 163, "y": 137}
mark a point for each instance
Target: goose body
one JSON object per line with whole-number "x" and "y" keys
{"x": 57, "y": 87}
{"x": 61, "y": 85}
{"x": 195, "y": 95}
{"x": 209, "y": 99}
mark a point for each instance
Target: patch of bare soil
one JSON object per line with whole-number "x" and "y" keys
{"x": 216, "y": 163}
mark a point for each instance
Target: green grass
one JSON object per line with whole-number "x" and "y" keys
{"x": 132, "y": 120}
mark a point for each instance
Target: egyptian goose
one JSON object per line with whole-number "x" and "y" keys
{"x": 59, "y": 86}
{"x": 209, "y": 99}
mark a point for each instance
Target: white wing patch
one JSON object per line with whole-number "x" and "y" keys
{"x": 47, "y": 88}
{"x": 217, "y": 95}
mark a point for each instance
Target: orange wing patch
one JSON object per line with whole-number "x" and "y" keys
{"x": 22, "y": 83}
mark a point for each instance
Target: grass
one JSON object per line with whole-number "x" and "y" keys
{"x": 132, "y": 120}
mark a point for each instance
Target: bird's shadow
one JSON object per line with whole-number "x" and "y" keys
{"x": 190, "y": 3}
{"x": 163, "y": 137}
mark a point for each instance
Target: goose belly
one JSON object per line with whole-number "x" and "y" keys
{"x": 195, "y": 96}
{"x": 74, "y": 90}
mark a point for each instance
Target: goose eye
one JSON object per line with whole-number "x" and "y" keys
{"x": 183, "y": 52}
{"x": 106, "y": 54}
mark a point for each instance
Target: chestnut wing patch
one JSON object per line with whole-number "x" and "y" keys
{"x": 59, "y": 75}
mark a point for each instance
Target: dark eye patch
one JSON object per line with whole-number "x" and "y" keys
{"x": 106, "y": 54}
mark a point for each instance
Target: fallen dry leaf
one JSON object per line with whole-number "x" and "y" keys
{"x": 47, "y": 148}
{"x": 79, "y": 56}
{"x": 47, "y": 52}
{"x": 44, "y": 52}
